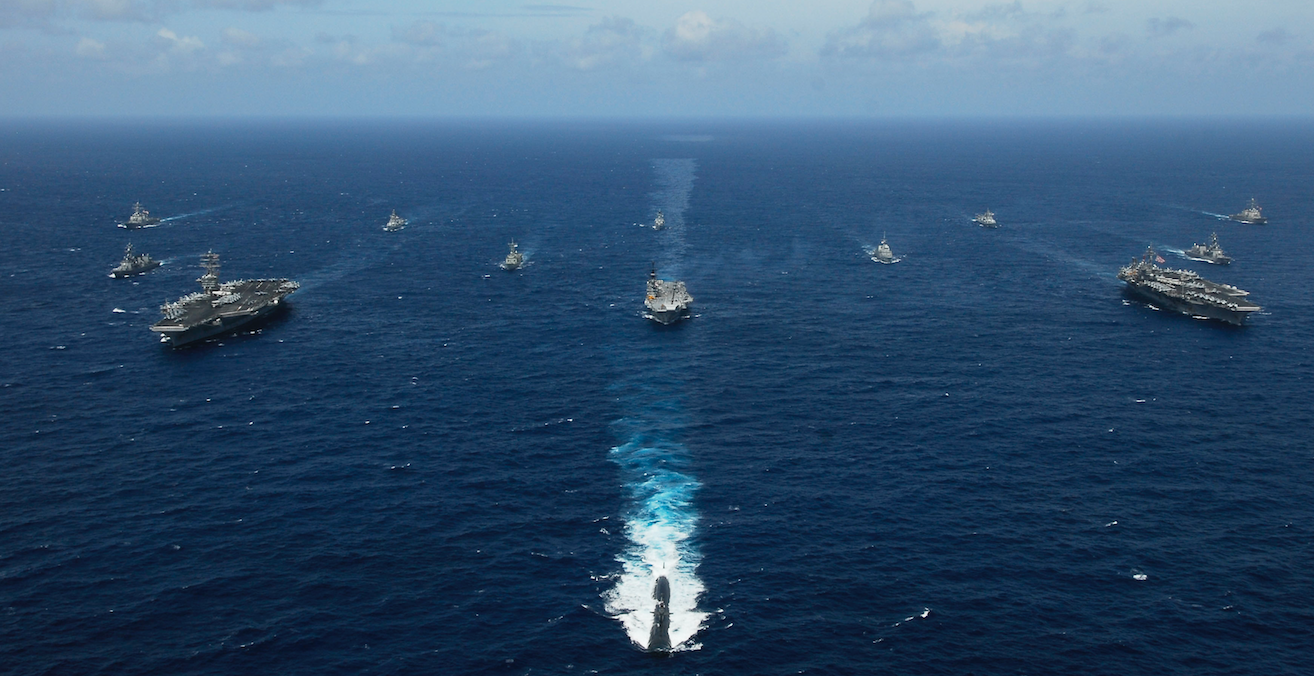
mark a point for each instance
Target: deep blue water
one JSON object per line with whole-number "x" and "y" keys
{"x": 960, "y": 464}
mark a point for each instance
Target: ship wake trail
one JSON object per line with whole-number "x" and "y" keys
{"x": 656, "y": 595}
{"x": 674, "y": 183}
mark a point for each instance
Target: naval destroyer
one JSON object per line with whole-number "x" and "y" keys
{"x": 140, "y": 218}
{"x": 1209, "y": 253}
{"x": 986, "y": 220}
{"x": 395, "y": 222}
{"x": 883, "y": 254}
{"x": 659, "y": 222}
{"x": 219, "y": 308}
{"x": 134, "y": 264}
{"x": 1251, "y": 214}
{"x": 514, "y": 259}
{"x": 667, "y": 302}
{"x": 1184, "y": 291}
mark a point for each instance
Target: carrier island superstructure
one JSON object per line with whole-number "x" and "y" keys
{"x": 219, "y": 307}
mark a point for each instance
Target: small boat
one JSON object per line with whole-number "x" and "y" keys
{"x": 140, "y": 218}
{"x": 883, "y": 254}
{"x": 986, "y": 220}
{"x": 514, "y": 259}
{"x": 1252, "y": 214}
{"x": 395, "y": 222}
{"x": 1209, "y": 253}
{"x": 134, "y": 264}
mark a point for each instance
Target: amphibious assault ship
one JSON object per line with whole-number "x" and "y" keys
{"x": 219, "y": 308}
{"x": 395, "y": 222}
{"x": 514, "y": 259}
{"x": 1251, "y": 214}
{"x": 667, "y": 302}
{"x": 140, "y": 218}
{"x": 1209, "y": 253}
{"x": 986, "y": 220}
{"x": 883, "y": 254}
{"x": 134, "y": 264}
{"x": 1184, "y": 291}
{"x": 659, "y": 222}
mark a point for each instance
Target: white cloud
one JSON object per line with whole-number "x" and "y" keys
{"x": 1165, "y": 27}
{"x": 614, "y": 41}
{"x": 240, "y": 38}
{"x": 893, "y": 28}
{"x": 181, "y": 45}
{"x": 698, "y": 37}
{"x": 91, "y": 49}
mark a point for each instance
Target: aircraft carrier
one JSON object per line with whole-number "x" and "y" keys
{"x": 219, "y": 308}
{"x": 667, "y": 302}
{"x": 1185, "y": 292}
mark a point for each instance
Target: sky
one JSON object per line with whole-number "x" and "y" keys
{"x": 626, "y": 59}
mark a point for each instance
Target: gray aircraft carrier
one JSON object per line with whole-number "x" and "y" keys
{"x": 219, "y": 308}
{"x": 1185, "y": 291}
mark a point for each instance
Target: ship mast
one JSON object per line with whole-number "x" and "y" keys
{"x": 210, "y": 280}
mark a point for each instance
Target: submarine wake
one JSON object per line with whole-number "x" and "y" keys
{"x": 656, "y": 594}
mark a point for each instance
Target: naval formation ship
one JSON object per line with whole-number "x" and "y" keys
{"x": 986, "y": 220}
{"x": 667, "y": 302}
{"x": 140, "y": 218}
{"x": 883, "y": 254}
{"x": 659, "y": 223}
{"x": 1252, "y": 214}
{"x": 134, "y": 264}
{"x": 1185, "y": 292}
{"x": 1209, "y": 253}
{"x": 514, "y": 259}
{"x": 219, "y": 308}
{"x": 395, "y": 222}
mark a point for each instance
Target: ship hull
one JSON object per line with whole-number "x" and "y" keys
{"x": 121, "y": 274}
{"x": 220, "y": 325}
{"x": 1214, "y": 261}
{"x": 1166, "y": 302}
{"x": 668, "y": 317}
{"x": 1248, "y": 220}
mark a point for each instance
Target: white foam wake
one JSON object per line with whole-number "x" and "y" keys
{"x": 659, "y": 526}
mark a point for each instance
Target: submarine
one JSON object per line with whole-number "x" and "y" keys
{"x": 659, "y": 640}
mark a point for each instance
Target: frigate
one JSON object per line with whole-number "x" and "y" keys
{"x": 219, "y": 308}
{"x": 883, "y": 254}
{"x": 395, "y": 222}
{"x": 140, "y": 218}
{"x": 986, "y": 220}
{"x": 659, "y": 222}
{"x": 1209, "y": 253}
{"x": 514, "y": 259}
{"x": 1185, "y": 291}
{"x": 134, "y": 264}
{"x": 667, "y": 302}
{"x": 1251, "y": 214}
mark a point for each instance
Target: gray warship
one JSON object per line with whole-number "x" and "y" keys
{"x": 667, "y": 302}
{"x": 1209, "y": 253}
{"x": 986, "y": 220}
{"x": 219, "y": 308}
{"x": 1252, "y": 214}
{"x": 134, "y": 264}
{"x": 395, "y": 222}
{"x": 140, "y": 218}
{"x": 514, "y": 259}
{"x": 1184, "y": 291}
{"x": 883, "y": 254}
{"x": 659, "y": 223}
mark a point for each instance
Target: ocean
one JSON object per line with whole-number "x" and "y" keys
{"x": 985, "y": 459}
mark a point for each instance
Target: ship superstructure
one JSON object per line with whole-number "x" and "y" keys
{"x": 986, "y": 220}
{"x": 395, "y": 222}
{"x": 219, "y": 307}
{"x": 134, "y": 264}
{"x": 1185, "y": 291}
{"x": 514, "y": 259}
{"x": 667, "y": 302}
{"x": 1209, "y": 253}
{"x": 883, "y": 254}
{"x": 140, "y": 218}
{"x": 1252, "y": 214}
